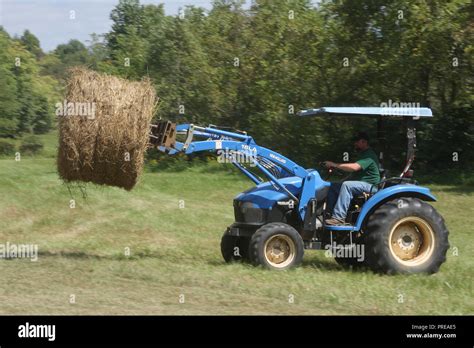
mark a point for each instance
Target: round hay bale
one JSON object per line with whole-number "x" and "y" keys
{"x": 104, "y": 126}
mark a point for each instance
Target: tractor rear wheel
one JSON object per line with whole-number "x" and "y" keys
{"x": 276, "y": 246}
{"x": 234, "y": 248}
{"x": 406, "y": 235}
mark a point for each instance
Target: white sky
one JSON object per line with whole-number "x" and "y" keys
{"x": 50, "y": 20}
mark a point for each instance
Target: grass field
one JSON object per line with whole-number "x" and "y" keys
{"x": 175, "y": 256}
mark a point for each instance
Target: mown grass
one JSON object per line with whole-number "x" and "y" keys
{"x": 174, "y": 251}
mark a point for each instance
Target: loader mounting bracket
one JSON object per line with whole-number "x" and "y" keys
{"x": 163, "y": 134}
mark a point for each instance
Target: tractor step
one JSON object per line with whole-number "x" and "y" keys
{"x": 313, "y": 245}
{"x": 340, "y": 228}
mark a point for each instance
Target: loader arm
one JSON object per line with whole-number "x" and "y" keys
{"x": 228, "y": 144}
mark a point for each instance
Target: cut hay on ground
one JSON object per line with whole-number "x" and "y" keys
{"x": 106, "y": 146}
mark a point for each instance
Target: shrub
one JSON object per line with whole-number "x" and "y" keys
{"x": 31, "y": 145}
{"x": 6, "y": 148}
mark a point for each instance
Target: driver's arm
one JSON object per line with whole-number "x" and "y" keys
{"x": 346, "y": 167}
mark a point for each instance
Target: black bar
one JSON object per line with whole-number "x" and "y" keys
{"x": 221, "y": 330}
{"x": 411, "y": 137}
{"x": 381, "y": 140}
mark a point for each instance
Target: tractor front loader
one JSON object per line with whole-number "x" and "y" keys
{"x": 284, "y": 214}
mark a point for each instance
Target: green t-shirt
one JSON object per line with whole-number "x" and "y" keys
{"x": 370, "y": 168}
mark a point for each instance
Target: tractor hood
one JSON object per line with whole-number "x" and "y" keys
{"x": 266, "y": 194}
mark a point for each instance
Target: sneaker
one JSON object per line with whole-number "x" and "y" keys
{"x": 334, "y": 222}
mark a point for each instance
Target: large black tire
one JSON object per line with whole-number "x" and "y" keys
{"x": 276, "y": 246}
{"x": 234, "y": 248}
{"x": 406, "y": 235}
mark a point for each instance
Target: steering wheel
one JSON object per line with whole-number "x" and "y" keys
{"x": 330, "y": 171}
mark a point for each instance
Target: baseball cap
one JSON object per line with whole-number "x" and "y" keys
{"x": 360, "y": 135}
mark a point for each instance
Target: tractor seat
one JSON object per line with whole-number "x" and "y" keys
{"x": 356, "y": 204}
{"x": 365, "y": 196}
{"x": 384, "y": 173}
{"x": 361, "y": 199}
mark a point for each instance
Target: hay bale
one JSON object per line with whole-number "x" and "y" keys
{"x": 103, "y": 128}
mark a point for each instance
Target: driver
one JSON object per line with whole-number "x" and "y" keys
{"x": 364, "y": 174}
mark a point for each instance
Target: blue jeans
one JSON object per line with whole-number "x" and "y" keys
{"x": 340, "y": 195}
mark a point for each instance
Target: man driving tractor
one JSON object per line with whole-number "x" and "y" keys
{"x": 364, "y": 174}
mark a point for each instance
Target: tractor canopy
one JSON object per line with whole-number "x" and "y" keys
{"x": 409, "y": 112}
{"x": 400, "y": 110}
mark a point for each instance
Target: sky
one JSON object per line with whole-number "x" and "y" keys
{"x": 50, "y": 20}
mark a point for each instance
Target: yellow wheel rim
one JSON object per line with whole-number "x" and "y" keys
{"x": 279, "y": 250}
{"x": 412, "y": 241}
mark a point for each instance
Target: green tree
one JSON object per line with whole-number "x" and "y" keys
{"x": 73, "y": 53}
{"x": 254, "y": 69}
{"x": 128, "y": 13}
{"x": 9, "y": 105}
{"x": 42, "y": 121}
{"x": 24, "y": 93}
{"x": 32, "y": 44}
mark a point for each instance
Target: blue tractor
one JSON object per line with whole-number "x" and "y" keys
{"x": 390, "y": 230}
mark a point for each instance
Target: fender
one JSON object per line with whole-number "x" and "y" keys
{"x": 390, "y": 193}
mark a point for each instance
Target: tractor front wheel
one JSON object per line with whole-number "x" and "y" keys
{"x": 406, "y": 235}
{"x": 276, "y": 246}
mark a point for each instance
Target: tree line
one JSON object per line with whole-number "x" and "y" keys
{"x": 252, "y": 68}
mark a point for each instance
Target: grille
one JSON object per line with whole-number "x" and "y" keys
{"x": 244, "y": 212}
